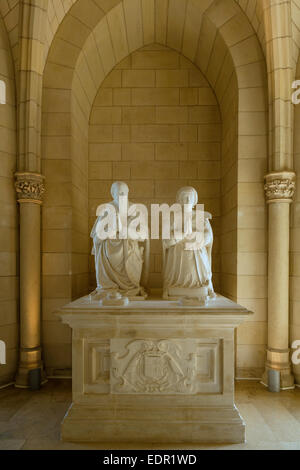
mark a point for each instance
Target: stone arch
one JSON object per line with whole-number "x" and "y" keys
{"x": 89, "y": 13}
{"x": 10, "y": 14}
{"x": 222, "y": 44}
{"x": 255, "y": 12}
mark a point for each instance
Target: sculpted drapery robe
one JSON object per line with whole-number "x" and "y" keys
{"x": 118, "y": 263}
{"x": 189, "y": 268}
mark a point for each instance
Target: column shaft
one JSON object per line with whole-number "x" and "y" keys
{"x": 280, "y": 188}
{"x": 278, "y": 281}
{"x": 29, "y": 189}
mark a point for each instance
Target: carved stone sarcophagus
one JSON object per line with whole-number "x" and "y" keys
{"x": 153, "y": 371}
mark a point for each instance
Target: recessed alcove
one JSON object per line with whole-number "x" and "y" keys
{"x": 156, "y": 124}
{"x": 98, "y": 126}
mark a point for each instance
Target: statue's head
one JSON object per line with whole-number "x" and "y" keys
{"x": 119, "y": 189}
{"x": 187, "y": 195}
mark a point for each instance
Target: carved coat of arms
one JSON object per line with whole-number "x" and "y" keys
{"x": 151, "y": 366}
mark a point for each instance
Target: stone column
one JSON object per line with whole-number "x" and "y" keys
{"x": 30, "y": 189}
{"x": 279, "y": 188}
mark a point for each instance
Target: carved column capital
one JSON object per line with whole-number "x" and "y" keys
{"x": 30, "y": 187}
{"x": 280, "y": 186}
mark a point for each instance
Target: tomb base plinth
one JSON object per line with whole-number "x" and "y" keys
{"x": 153, "y": 371}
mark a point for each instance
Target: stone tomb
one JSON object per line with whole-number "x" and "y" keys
{"x": 153, "y": 371}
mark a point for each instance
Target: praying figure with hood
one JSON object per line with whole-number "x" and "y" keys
{"x": 187, "y": 262}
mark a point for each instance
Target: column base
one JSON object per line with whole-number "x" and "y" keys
{"x": 279, "y": 360}
{"x": 30, "y": 359}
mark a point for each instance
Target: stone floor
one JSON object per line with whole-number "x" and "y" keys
{"x": 31, "y": 420}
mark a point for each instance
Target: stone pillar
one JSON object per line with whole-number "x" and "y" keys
{"x": 30, "y": 189}
{"x": 279, "y": 188}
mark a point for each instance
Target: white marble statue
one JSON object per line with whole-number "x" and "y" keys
{"x": 119, "y": 262}
{"x": 187, "y": 273}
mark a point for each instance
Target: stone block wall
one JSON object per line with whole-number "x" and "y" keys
{"x": 156, "y": 125}
{"x": 9, "y": 239}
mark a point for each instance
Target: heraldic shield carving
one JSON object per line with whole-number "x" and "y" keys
{"x": 153, "y": 366}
